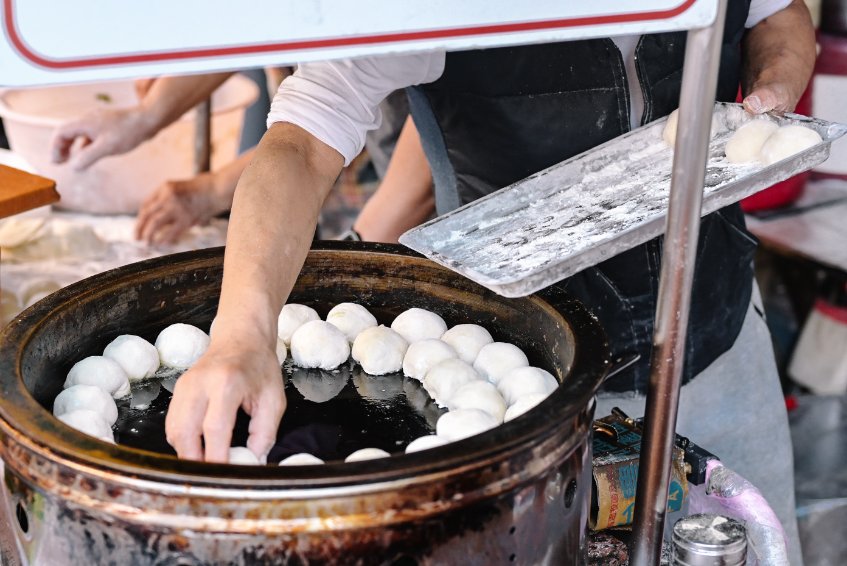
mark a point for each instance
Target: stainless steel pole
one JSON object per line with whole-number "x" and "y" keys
{"x": 203, "y": 137}
{"x": 699, "y": 82}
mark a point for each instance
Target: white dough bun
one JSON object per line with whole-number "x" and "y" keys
{"x": 138, "y": 357}
{"x": 243, "y": 456}
{"x": 787, "y": 141}
{"x": 105, "y": 373}
{"x": 419, "y": 324}
{"x": 281, "y": 351}
{"x": 86, "y": 397}
{"x": 367, "y": 454}
{"x": 181, "y": 345}
{"x": 351, "y": 319}
{"x": 467, "y": 340}
{"x": 523, "y": 404}
{"x": 293, "y": 316}
{"x": 669, "y": 131}
{"x": 318, "y": 344}
{"x": 89, "y": 422}
{"x": 379, "y": 350}
{"x": 426, "y": 443}
{"x": 424, "y": 354}
{"x": 464, "y": 423}
{"x": 526, "y": 381}
{"x": 479, "y": 394}
{"x": 446, "y": 377}
{"x": 497, "y": 359}
{"x": 301, "y": 459}
{"x": 747, "y": 141}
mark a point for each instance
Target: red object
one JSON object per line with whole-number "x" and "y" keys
{"x": 787, "y": 191}
{"x": 790, "y": 403}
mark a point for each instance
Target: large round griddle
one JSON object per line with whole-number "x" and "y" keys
{"x": 519, "y": 491}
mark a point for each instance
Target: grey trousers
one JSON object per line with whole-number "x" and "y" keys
{"x": 735, "y": 409}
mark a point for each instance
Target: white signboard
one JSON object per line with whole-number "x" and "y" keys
{"x": 56, "y": 41}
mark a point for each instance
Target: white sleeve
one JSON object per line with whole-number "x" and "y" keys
{"x": 338, "y": 101}
{"x": 761, "y": 9}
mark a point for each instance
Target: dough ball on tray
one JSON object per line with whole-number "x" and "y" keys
{"x": 788, "y": 141}
{"x": 351, "y": 319}
{"x": 86, "y": 397}
{"x": 103, "y": 372}
{"x": 497, "y": 359}
{"x": 418, "y": 324}
{"x": 747, "y": 141}
{"x": 318, "y": 344}
{"x": 526, "y": 381}
{"x": 464, "y": 423}
{"x": 423, "y": 355}
{"x": 89, "y": 422}
{"x": 379, "y": 350}
{"x": 181, "y": 345}
{"x": 138, "y": 357}
{"x": 293, "y": 316}
{"x": 467, "y": 340}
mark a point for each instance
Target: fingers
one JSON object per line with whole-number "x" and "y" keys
{"x": 182, "y": 423}
{"x": 91, "y": 153}
{"x": 264, "y": 422}
{"x": 63, "y": 139}
{"x": 219, "y": 422}
{"x": 767, "y": 99}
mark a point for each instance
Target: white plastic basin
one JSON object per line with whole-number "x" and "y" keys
{"x": 118, "y": 184}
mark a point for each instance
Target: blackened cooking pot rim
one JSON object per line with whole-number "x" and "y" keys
{"x": 44, "y": 433}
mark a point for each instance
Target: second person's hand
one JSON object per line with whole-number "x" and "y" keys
{"x": 99, "y": 134}
{"x": 176, "y": 206}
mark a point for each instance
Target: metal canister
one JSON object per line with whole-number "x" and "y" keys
{"x": 709, "y": 540}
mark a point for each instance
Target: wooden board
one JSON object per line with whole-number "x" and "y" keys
{"x": 21, "y": 191}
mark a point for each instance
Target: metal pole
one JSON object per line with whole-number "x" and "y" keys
{"x": 203, "y": 137}
{"x": 699, "y": 82}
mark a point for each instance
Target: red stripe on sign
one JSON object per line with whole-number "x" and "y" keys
{"x": 474, "y": 31}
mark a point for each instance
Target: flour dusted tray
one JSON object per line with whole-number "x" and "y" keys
{"x": 595, "y": 205}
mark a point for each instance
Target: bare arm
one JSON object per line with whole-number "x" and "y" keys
{"x": 274, "y": 214}
{"x": 404, "y": 199}
{"x": 111, "y": 132}
{"x": 779, "y": 56}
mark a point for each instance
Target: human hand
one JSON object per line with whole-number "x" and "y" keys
{"x": 99, "y": 134}
{"x": 232, "y": 374}
{"x": 773, "y": 97}
{"x": 176, "y": 206}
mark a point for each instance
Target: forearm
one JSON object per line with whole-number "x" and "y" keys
{"x": 780, "y": 50}
{"x": 226, "y": 180}
{"x": 273, "y": 218}
{"x": 405, "y": 197}
{"x": 171, "y": 97}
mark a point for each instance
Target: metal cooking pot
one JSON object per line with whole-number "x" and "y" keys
{"x": 518, "y": 493}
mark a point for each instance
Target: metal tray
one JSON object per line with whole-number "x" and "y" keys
{"x": 595, "y": 205}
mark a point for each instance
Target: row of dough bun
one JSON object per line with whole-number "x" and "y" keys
{"x": 481, "y": 382}
{"x": 87, "y": 401}
{"x": 757, "y": 140}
